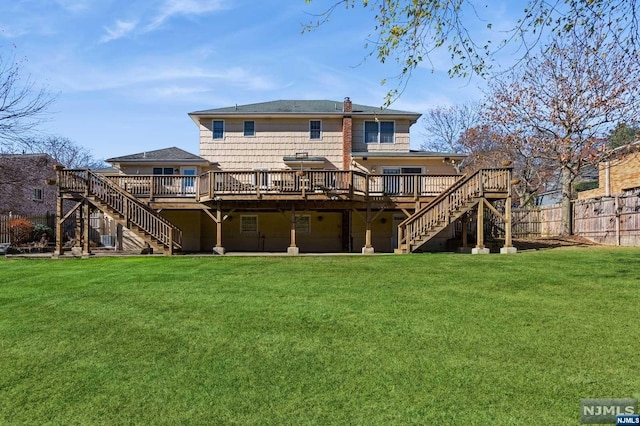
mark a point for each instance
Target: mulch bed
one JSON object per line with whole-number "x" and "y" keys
{"x": 552, "y": 242}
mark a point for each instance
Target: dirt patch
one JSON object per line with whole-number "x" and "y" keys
{"x": 552, "y": 242}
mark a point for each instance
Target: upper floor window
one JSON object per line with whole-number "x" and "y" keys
{"x": 249, "y": 128}
{"x": 37, "y": 194}
{"x": 315, "y": 129}
{"x": 218, "y": 129}
{"x": 379, "y": 131}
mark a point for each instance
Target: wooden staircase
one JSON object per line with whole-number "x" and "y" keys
{"x": 123, "y": 207}
{"x": 463, "y": 196}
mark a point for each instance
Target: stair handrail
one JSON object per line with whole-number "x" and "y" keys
{"x": 133, "y": 210}
{"x": 446, "y": 198}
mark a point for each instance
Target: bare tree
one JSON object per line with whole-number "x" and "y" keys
{"x": 66, "y": 152}
{"x": 560, "y": 105}
{"x": 410, "y": 31}
{"x": 445, "y": 125}
{"x": 22, "y": 106}
{"x": 487, "y": 147}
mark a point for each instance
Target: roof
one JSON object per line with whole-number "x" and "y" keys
{"x": 409, "y": 154}
{"x": 27, "y": 156}
{"x": 173, "y": 154}
{"x": 308, "y": 107}
{"x": 625, "y": 149}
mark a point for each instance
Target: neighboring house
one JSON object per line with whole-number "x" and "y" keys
{"x": 310, "y": 176}
{"x": 23, "y": 184}
{"x": 619, "y": 174}
{"x": 588, "y": 175}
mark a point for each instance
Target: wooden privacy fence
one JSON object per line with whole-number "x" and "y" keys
{"x": 611, "y": 220}
{"x": 536, "y": 222}
{"x": 48, "y": 219}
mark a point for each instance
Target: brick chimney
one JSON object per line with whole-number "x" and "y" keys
{"x": 347, "y": 134}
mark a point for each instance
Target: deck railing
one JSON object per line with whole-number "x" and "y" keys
{"x": 283, "y": 182}
{"x": 151, "y": 186}
{"x": 220, "y": 183}
{"x": 407, "y": 185}
{"x": 453, "y": 199}
{"x": 122, "y": 202}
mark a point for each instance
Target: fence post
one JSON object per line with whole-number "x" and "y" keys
{"x": 617, "y": 210}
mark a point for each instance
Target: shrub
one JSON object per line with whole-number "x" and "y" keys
{"x": 20, "y": 230}
{"x": 40, "y": 229}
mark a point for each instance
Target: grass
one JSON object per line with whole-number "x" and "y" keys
{"x": 422, "y": 339}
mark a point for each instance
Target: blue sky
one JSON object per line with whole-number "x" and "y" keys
{"x": 127, "y": 72}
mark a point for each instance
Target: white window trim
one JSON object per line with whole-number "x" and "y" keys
{"x": 254, "y": 129}
{"x": 242, "y": 231}
{"x": 213, "y": 130}
{"x": 41, "y": 194}
{"x": 315, "y": 139}
{"x": 364, "y": 133}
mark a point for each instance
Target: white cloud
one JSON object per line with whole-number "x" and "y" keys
{"x": 120, "y": 29}
{"x": 163, "y": 80}
{"x": 184, "y": 7}
{"x": 73, "y": 5}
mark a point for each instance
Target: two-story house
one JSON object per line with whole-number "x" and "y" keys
{"x": 23, "y": 187}
{"x": 291, "y": 175}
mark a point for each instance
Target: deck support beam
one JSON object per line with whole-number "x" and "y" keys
{"x": 86, "y": 219}
{"x": 218, "y": 219}
{"x": 293, "y": 249}
{"x": 368, "y": 248}
{"x": 480, "y": 248}
{"x": 59, "y": 221}
{"x": 508, "y": 243}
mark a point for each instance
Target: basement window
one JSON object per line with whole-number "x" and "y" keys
{"x": 303, "y": 224}
{"x": 248, "y": 224}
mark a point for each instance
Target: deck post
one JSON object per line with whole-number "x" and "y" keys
{"x": 465, "y": 234}
{"x": 508, "y": 243}
{"x": 368, "y": 249}
{"x": 169, "y": 251}
{"x": 86, "y": 250}
{"x": 218, "y": 249}
{"x": 293, "y": 249}
{"x": 119, "y": 238}
{"x": 480, "y": 248}
{"x": 59, "y": 220}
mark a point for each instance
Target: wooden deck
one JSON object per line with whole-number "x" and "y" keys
{"x": 283, "y": 185}
{"x": 430, "y": 203}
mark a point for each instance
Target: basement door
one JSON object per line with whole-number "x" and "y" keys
{"x": 394, "y": 231}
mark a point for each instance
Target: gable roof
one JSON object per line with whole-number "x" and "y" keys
{"x": 301, "y": 107}
{"x": 28, "y": 156}
{"x": 172, "y": 154}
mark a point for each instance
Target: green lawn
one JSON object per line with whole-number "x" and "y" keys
{"x": 438, "y": 339}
